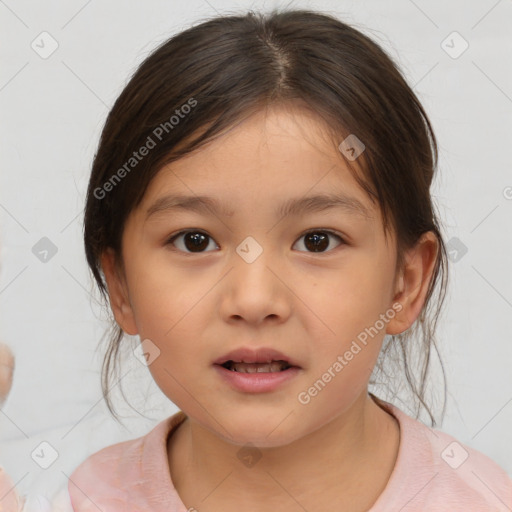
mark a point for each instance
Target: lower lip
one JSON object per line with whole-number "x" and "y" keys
{"x": 259, "y": 382}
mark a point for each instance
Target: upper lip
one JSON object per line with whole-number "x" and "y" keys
{"x": 251, "y": 355}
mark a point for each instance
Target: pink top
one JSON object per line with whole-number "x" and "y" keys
{"x": 433, "y": 472}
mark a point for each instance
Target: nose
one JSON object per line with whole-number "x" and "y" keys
{"x": 256, "y": 290}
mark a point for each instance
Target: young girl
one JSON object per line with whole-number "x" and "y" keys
{"x": 259, "y": 214}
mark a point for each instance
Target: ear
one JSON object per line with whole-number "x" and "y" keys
{"x": 413, "y": 282}
{"x": 118, "y": 293}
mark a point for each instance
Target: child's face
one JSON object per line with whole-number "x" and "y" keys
{"x": 311, "y": 306}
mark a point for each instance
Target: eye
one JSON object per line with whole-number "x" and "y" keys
{"x": 318, "y": 240}
{"x": 193, "y": 241}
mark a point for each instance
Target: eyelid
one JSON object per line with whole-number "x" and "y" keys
{"x": 326, "y": 230}
{"x": 332, "y": 232}
{"x": 343, "y": 239}
{"x": 170, "y": 239}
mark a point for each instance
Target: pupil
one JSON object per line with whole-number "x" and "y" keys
{"x": 320, "y": 242}
{"x": 198, "y": 241}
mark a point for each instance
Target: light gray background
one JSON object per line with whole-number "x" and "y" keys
{"x": 52, "y": 113}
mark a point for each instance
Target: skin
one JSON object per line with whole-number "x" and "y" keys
{"x": 335, "y": 452}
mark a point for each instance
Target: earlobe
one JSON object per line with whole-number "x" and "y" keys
{"x": 118, "y": 293}
{"x": 413, "y": 282}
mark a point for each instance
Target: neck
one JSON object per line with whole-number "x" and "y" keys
{"x": 348, "y": 460}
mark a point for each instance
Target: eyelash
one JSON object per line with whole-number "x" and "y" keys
{"x": 172, "y": 238}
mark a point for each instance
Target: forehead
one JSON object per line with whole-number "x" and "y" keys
{"x": 276, "y": 154}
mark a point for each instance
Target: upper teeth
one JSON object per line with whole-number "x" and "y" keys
{"x": 274, "y": 366}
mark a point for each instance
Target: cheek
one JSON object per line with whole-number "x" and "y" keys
{"x": 171, "y": 307}
{"x": 346, "y": 301}
{"x": 165, "y": 298}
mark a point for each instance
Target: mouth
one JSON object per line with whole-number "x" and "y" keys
{"x": 257, "y": 370}
{"x": 256, "y": 360}
{"x": 263, "y": 367}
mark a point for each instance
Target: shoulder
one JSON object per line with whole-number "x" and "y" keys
{"x": 464, "y": 474}
{"x": 441, "y": 473}
{"x": 115, "y": 477}
{"x": 97, "y": 481}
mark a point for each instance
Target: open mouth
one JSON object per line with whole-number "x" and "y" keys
{"x": 271, "y": 367}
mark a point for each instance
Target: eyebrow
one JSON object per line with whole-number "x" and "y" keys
{"x": 294, "y": 206}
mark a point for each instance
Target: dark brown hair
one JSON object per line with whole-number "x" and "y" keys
{"x": 230, "y": 67}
